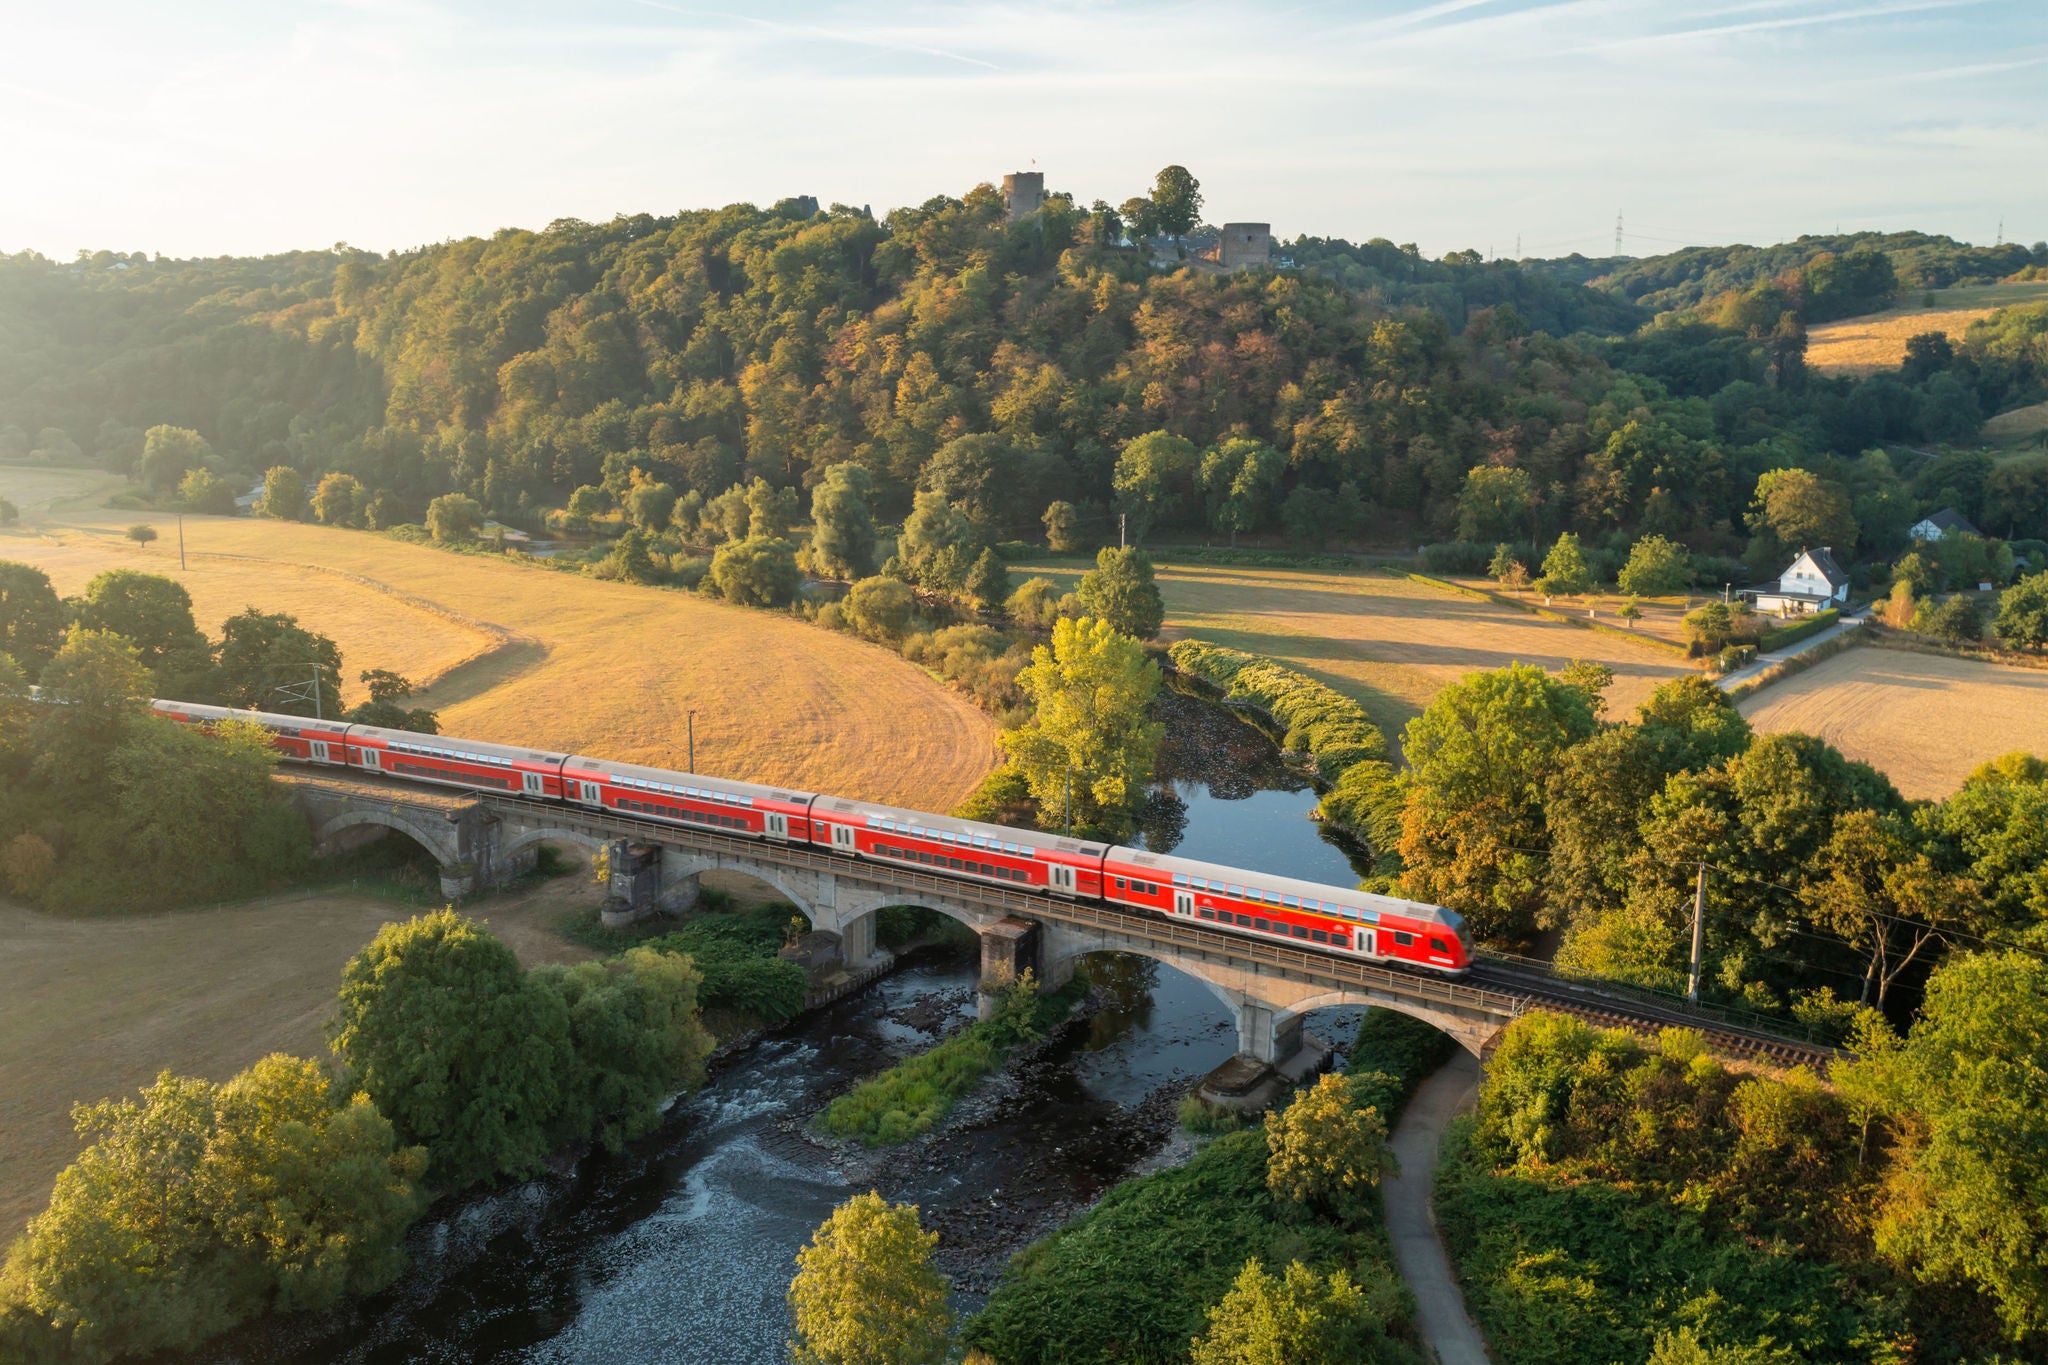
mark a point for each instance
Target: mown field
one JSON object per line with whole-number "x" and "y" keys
{"x": 94, "y": 1008}
{"x": 520, "y": 654}
{"x": 1877, "y": 341}
{"x": 1923, "y": 720}
{"x": 1390, "y": 643}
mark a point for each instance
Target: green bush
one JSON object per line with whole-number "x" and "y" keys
{"x": 1398, "y": 1052}
{"x": 1129, "y": 1281}
{"x": 1805, "y": 630}
{"x": 1367, "y": 800}
{"x": 1318, "y": 720}
{"x": 737, "y": 956}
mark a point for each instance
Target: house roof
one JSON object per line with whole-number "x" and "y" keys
{"x": 1948, "y": 519}
{"x": 1824, "y": 560}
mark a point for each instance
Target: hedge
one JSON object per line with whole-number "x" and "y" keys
{"x": 1792, "y": 635}
{"x": 1318, "y": 720}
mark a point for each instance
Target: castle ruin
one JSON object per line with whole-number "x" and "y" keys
{"x": 1023, "y": 192}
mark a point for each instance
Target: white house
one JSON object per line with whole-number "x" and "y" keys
{"x": 1813, "y": 582}
{"x": 1943, "y": 524}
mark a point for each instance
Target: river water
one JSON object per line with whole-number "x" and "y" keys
{"x": 680, "y": 1249}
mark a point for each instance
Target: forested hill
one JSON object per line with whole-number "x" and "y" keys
{"x": 1004, "y": 365}
{"x": 1693, "y": 276}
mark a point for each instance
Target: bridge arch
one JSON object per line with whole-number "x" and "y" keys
{"x": 528, "y": 838}
{"x": 437, "y": 838}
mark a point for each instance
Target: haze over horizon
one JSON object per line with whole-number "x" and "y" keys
{"x": 237, "y": 128}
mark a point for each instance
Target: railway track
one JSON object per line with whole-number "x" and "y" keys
{"x": 1608, "y": 1009}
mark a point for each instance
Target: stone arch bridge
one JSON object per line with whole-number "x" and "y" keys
{"x": 482, "y": 840}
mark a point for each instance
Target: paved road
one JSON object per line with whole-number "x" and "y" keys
{"x": 1764, "y": 661}
{"x": 1418, "y": 1251}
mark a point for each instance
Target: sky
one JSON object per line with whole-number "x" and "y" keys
{"x": 211, "y": 127}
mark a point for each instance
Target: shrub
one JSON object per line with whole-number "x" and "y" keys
{"x": 1198, "y": 1115}
{"x": 1367, "y": 799}
{"x": 1785, "y": 636}
{"x": 736, "y": 956}
{"x": 879, "y": 608}
{"x": 1958, "y": 621}
{"x": 1318, "y": 720}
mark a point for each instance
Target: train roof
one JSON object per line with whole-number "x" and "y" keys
{"x": 453, "y": 746}
{"x": 1038, "y": 839}
{"x": 1288, "y": 886}
{"x": 274, "y": 720}
{"x": 673, "y": 778}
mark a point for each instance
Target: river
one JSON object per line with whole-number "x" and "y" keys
{"x": 680, "y": 1248}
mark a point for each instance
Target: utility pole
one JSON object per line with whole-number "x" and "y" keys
{"x": 1617, "y": 232}
{"x": 1070, "y": 798}
{"x": 693, "y": 739}
{"x": 1699, "y": 933}
{"x": 1120, "y": 541}
{"x": 181, "y": 542}
{"x": 316, "y": 694}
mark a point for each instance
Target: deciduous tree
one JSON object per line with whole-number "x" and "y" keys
{"x": 1154, "y": 477}
{"x": 31, "y": 617}
{"x": 866, "y": 1291}
{"x": 1474, "y": 832}
{"x": 340, "y": 500}
{"x": 1089, "y": 746}
{"x": 1120, "y": 589}
{"x": 2023, "y": 613}
{"x": 1656, "y": 568}
{"x": 284, "y": 494}
{"x": 1239, "y": 477}
{"x": 1296, "y": 1318}
{"x": 757, "y": 572}
{"x": 454, "y": 518}
{"x": 1564, "y": 568}
{"x": 1326, "y": 1150}
{"x": 843, "y": 524}
{"x": 1495, "y": 503}
{"x": 462, "y": 1051}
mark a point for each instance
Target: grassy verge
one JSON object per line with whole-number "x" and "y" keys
{"x": 914, "y": 1095}
{"x": 1131, "y": 1279}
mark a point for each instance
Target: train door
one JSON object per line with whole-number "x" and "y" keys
{"x": 534, "y": 784}
{"x": 1184, "y": 903}
{"x": 1363, "y": 942}
{"x": 1062, "y": 879}
{"x": 590, "y": 796}
{"x": 370, "y": 759}
{"x": 778, "y": 826}
{"x": 842, "y": 839}
{"x": 319, "y": 748}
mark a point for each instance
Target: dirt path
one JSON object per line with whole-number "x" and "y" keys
{"x": 1418, "y": 1137}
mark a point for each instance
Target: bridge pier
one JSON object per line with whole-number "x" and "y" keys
{"x": 635, "y": 883}
{"x": 1266, "y": 1035}
{"x": 1009, "y": 948}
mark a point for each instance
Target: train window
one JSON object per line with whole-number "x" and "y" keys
{"x": 1207, "y": 913}
{"x": 1180, "y": 879}
{"x": 1236, "y": 890}
{"x": 1319, "y": 936}
{"x": 1437, "y": 945}
{"x": 1263, "y": 925}
{"x": 1299, "y": 931}
{"x": 1405, "y": 940}
{"x": 1119, "y": 883}
{"x": 1311, "y": 905}
{"x": 953, "y": 864}
{"x": 1244, "y": 921}
{"x": 1291, "y": 902}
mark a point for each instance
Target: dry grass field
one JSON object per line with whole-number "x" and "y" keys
{"x": 1389, "y": 643}
{"x": 520, "y": 654}
{"x": 1877, "y": 341}
{"x": 1923, "y": 720}
{"x": 95, "y": 1008}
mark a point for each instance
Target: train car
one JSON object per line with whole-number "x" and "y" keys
{"x": 1308, "y": 914}
{"x": 689, "y": 799}
{"x": 958, "y": 848}
{"x": 448, "y": 761}
{"x": 298, "y": 738}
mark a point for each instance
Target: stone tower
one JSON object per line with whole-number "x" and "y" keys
{"x": 1244, "y": 244}
{"x": 1023, "y": 191}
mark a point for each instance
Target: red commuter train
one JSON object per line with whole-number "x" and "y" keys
{"x": 1330, "y": 919}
